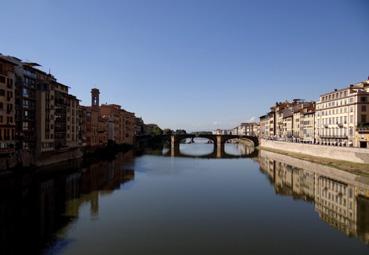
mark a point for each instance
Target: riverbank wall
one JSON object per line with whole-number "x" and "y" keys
{"x": 354, "y": 155}
{"x": 28, "y": 160}
{"x": 58, "y": 157}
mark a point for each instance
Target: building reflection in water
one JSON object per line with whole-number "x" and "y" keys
{"x": 341, "y": 198}
{"x": 33, "y": 207}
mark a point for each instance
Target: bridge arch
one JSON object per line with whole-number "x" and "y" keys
{"x": 252, "y": 139}
{"x": 218, "y": 140}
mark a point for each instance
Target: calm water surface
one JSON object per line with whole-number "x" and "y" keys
{"x": 259, "y": 203}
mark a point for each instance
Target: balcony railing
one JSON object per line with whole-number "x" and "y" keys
{"x": 363, "y": 128}
{"x": 339, "y": 124}
{"x": 334, "y": 136}
{"x": 6, "y": 150}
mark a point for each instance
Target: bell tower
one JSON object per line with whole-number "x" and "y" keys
{"x": 95, "y": 93}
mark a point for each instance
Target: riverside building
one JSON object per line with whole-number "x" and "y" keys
{"x": 286, "y": 119}
{"x": 342, "y": 116}
{"x": 264, "y": 126}
{"x": 42, "y": 123}
{"x": 7, "y": 107}
{"x": 40, "y": 113}
{"x": 105, "y": 123}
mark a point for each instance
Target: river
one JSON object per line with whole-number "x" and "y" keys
{"x": 244, "y": 202}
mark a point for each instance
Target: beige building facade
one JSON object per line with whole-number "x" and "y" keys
{"x": 340, "y": 114}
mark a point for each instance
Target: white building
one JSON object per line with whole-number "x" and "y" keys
{"x": 339, "y": 113}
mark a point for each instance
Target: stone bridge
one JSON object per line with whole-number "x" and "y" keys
{"x": 218, "y": 141}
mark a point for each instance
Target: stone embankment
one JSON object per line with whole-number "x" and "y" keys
{"x": 348, "y": 154}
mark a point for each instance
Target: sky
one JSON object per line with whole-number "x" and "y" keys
{"x": 193, "y": 64}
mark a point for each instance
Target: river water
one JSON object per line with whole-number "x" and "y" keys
{"x": 242, "y": 202}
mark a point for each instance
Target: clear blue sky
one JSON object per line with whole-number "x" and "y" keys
{"x": 193, "y": 64}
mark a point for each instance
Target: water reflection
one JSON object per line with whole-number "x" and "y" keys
{"x": 207, "y": 150}
{"x": 340, "y": 198}
{"x": 185, "y": 205}
{"x": 34, "y": 206}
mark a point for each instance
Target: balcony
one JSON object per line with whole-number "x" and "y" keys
{"x": 339, "y": 125}
{"x": 334, "y": 136}
{"x": 363, "y": 128}
{"x": 6, "y": 150}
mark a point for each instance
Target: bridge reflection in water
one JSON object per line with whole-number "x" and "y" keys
{"x": 217, "y": 152}
{"x": 341, "y": 198}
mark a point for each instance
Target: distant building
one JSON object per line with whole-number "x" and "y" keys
{"x": 308, "y": 127}
{"x": 129, "y": 127}
{"x": 264, "y": 126}
{"x": 271, "y": 126}
{"x": 106, "y": 122}
{"x": 139, "y": 126}
{"x": 234, "y": 131}
{"x": 285, "y": 120}
{"x": 248, "y": 128}
{"x": 222, "y": 132}
{"x": 114, "y": 117}
{"x": 152, "y": 129}
{"x": 95, "y": 126}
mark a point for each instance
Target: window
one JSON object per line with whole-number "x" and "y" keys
{"x": 363, "y": 118}
{"x": 2, "y": 92}
{"x": 2, "y": 79}
{"x": 9, "y": 107}
{"x": 25, "y": 92}
{"x": 25, "y": 125}
{"x": 10, "y": 83}
{"x": 363, "y": 108}
{"x": 363, "y": 99}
